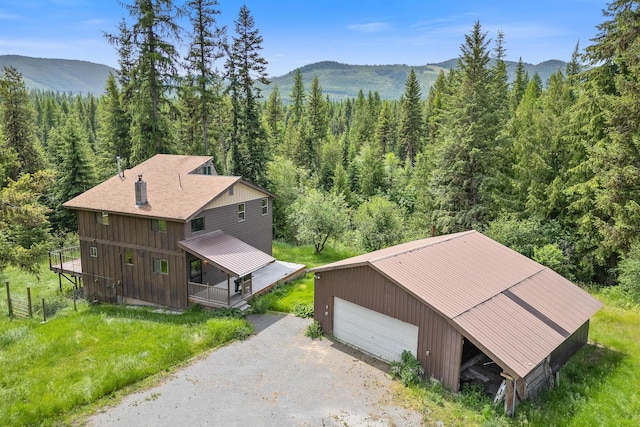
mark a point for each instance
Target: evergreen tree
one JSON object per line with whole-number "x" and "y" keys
{"x": 318, "y": 125}
{"x": 467, "y": 160}
{"x": 385, "y": 134}
{"x": 76, "y": 172}
{"x": 411, "y": 128}
{"x": 17, "y": 119}
{"x": 206, "y": 47}
{"x": 113, "y": 132}
{"x": 273, "y": 117}
{"x": 245, "y": 66}
{"x": 148, "y": 51}
{"x": 296, "y": 110}
{"x": 609, "y": 202}
{"x": 519, "y": 85}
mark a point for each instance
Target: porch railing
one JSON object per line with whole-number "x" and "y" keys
{"x": 210, "y": 293}
{"x": 66, "y": 260}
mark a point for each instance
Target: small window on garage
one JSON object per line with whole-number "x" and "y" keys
{"x": 265, "y": 206}
{"x": 93, "y": 252}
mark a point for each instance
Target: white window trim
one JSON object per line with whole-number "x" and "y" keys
{"x": 158, "y": 262}
{"x": 93, "y": 251}
{"x": 265, "y": 207}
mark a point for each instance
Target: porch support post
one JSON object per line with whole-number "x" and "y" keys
{"x": 228, "y": 290}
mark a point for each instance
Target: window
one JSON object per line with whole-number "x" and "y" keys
{"x": 265, "y": 206}
{"x": 160, "y": 266}
{"x": 197, "y": 224}
{"x": 231, "y": 190}
{"x": 128, "y": 257}
{"x": 206, "y": 170}
{"x": 241, "y": 212}
{"x": 93, "y": 252}
{"x": 102, "y": 218}
{"x": 159, "y": 225}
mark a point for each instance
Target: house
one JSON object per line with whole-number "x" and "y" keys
{"x": 469, "y": 308}
{"x": 171, "y": 232}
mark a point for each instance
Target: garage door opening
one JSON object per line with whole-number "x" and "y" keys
{"x": 382, "y": 336}
{"x": 478, "y": 369}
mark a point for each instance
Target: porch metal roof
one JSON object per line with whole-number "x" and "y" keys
{"x": 228, "y": 253}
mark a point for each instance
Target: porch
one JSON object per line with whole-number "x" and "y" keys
{"x": 66, "y": 262}
{"x": 223, "y": 294}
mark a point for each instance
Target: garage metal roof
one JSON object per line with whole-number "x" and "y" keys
{"x": 516, "y": 310}
{"x": 228, "y": 253}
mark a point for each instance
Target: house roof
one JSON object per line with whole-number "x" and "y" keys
{"x": 173, "y": 192}
{"x": 228, "y": 253}
{"x": 516, "y": 310}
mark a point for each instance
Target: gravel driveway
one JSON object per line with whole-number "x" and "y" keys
{"x": 278, "y": 377}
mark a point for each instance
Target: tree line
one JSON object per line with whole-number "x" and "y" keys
{"x": 547, "y": 168}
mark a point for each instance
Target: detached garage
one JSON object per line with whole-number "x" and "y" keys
{"x": 466, "y": 306}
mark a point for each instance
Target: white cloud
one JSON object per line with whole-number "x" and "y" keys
{"x": 371, "y": 27}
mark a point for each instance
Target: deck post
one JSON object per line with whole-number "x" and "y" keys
{"x": 228, "y": 290}
{"x": 9, "y": 299}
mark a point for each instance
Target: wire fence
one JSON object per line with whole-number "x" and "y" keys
{"x": 45, "y": 307}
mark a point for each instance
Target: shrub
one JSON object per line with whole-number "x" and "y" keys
{"x": 303, "y": 310}
{"x": 408, "y": 370}
{"x": 314, "y": 330}
{"x": 629, "y": 272}
{"x": 259, "y": 305}
{"x": 242, "y": 333}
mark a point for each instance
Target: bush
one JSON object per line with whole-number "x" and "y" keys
{"x": 303, "y": 310}
{"x": 314, "y": 330}
{"x": 259, "y": 305}
{"x": 629, "y": 272}
{"x": 408, "y": 370}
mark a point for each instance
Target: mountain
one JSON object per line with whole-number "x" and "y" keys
{"x": 59, "y": 75}
{"x": 341, "y": 81}
{"x": 338, "y": 81}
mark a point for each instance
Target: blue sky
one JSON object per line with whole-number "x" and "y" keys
{"x": 302, "y": 32}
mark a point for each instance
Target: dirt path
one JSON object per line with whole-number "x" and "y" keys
{"x": 278, "y": 377}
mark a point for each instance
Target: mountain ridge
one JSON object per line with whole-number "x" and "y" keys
{"x": 339, "y": 81}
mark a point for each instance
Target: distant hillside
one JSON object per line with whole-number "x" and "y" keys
{"x": 60, "y": 75}
{"x": 338, "y": 81}
{"x": 341, "y": 81}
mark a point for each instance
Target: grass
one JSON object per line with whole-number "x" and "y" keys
{"x": 51, "y": 371}
{"x": 284, "y": 298}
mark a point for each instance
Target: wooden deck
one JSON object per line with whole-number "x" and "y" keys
{"x": 262, "y": 280}
{"x": 66, "y": 261}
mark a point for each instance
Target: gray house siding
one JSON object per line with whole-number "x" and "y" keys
{"x": 255, "y": 230}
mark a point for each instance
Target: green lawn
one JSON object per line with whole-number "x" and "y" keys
{"x": 51, "y": 371}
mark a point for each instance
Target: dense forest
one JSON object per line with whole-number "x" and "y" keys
{"x": 549, "y": 168}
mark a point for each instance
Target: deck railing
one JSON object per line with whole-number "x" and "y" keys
{"x": 210, "y": 293}
{"x": 66, "y": 260}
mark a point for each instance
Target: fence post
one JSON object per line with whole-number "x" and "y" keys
{"x": 9, "y": 299}
{"x": 44, "y": 312}
{"x": 29, "y": 301}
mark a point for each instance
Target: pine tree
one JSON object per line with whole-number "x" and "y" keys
{"x": 519, "y": 85}
{"x": 411, "y": 128}
{"x": 467, "y": 160}
{"x": 385, "y": 135}
{"x": 273, "y": 117}
{"x": 245, "y": 66}
{"x": 113, "y": 133}
{"x": 296, "y": 110}
{"x": 208, "y": 45}
{"x": 149, "y": 61}
{"x": 318, "y": 125}
{"x": 76, "y": 172}
{"x": 17, "y": 119}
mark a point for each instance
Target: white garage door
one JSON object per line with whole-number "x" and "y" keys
{"x": 376, "y": 333}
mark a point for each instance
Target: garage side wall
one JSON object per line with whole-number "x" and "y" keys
{"x": 439, "y": 344}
